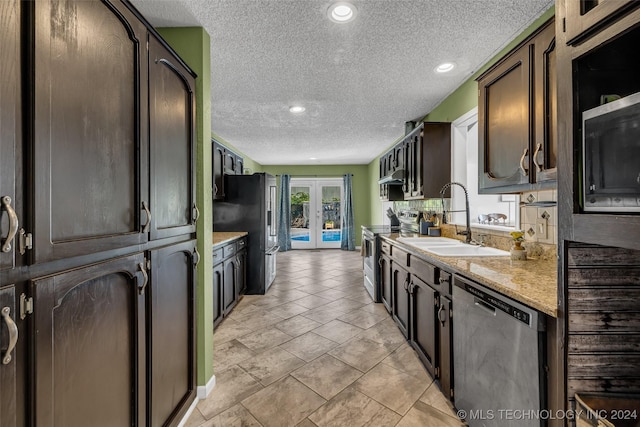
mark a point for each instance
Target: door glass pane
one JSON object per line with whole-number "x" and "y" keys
{"x": 300, "y": 213}
{"x": 331, "y": 213}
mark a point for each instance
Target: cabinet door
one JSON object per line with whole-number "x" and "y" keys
{"x": 218, "y": 175}
{"x": 241, "y": 276}
{"x": 504, "y": 124}
{"x": 398, "y": 157}
{"x": 9, "y": 129}
{"x": 546, "y": 112}
{"x": 229, "y": 162}
{"x": 383, "y": 172}
{"x": 218, "y": 282}
{"x": 385, "y": 278}
{"x": 413, "y": 167}
{"x": 400, "y": 296}
{"x": 586, "y": 17}
{"x": 436, "y": 159}
{"x": 230, "y": 285}
{"x": 171, "y": 135}
{"x": 89, "y": 168}
{"x": 239, "y": 165}
{"x": 89, "y": 345}
{"x": 423, "y": 322}
{"x": 171, "y": 333}
{"x": 8, "y": 358}
{"x": 445, "y": 348}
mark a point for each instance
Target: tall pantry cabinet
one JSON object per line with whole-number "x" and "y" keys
{"x": 97, "y": 219}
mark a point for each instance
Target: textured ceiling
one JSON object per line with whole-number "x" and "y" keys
{"x": 359, "y": 81}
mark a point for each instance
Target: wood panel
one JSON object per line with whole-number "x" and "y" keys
{"x": 603, "y": 319}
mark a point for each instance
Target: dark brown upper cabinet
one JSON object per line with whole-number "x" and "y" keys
{"x": 427, "y": 153}
{"x": 90, "y": 174}
{"x": 225, "y": 162}
{"x": 10, "y": 206}
{"x": 172, "y": 159}
{"x": 516, "y": 115}
{"x": 585, "y": 18}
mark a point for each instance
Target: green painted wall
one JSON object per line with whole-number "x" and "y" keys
{"x": 459, "y": 102}
{"x": 194, "y": 47}
{"x": 360, "y": 182}
{"x": 249, "y": 163}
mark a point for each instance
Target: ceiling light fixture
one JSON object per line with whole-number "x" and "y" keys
{"x": 297, "y": 109}
{"x": 342, "y": 12}
{"x": 445, "y": 67}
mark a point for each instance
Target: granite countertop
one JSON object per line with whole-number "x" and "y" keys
{"x": 222, "y": 237}
{"x": 531, "y": 282}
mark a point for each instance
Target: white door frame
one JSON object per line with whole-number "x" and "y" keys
{"x": 315, "y": 211}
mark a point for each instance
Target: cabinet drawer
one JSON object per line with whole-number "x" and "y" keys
{"x": 229, "y": 250}
{"x": 400, "y": 256}
{"x": 425, "y": 271}
{"x": 385, "y": 248}
{"x": 217, "y": 256}
{"x": 444, "y": 282}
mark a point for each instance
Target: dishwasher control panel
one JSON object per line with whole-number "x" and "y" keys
{"x": 494, "y": 302}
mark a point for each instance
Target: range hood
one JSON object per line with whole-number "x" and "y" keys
{"x": 396, "y": 178}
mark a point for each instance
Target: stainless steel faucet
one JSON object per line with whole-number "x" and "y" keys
{"x": 467, "y": 232}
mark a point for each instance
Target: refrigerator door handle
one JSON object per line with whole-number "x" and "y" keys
{"x": 273, "y": 250}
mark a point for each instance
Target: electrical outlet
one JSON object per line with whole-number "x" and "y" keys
{"x": 542, "y": 229}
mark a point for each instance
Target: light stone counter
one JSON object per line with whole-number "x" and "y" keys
{"x": 220, "y": 238}
{"x": 531, "y": 282}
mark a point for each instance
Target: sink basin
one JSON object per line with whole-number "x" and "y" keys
{"x": 422, "y": 242}
{"x": 465, "y": 250}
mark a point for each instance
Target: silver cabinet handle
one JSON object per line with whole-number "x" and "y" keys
{"x": 13, "y": 223}
{"x": 215, "y": 189}
{"x": 525, "y": 170}
{"x": 145, "y": 228}
{"x": 440, "y": 313}
{"x": 143, "y": 270}
{"x": 196, "y": 213}
{"x": 535, "y": 156}
{"x": 196, "y": 257}
{"x": 13, "y": 334}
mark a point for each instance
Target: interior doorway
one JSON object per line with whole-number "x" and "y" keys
{"x": 316, "y": 213}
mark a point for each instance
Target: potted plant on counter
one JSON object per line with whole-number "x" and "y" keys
{"x": 518, "y": 252}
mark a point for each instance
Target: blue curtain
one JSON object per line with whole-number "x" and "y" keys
{"x": 348, "y": 242}
{"x": 284, "y": 214}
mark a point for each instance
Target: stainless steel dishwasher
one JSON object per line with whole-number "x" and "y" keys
{"x": 498, "y": 358}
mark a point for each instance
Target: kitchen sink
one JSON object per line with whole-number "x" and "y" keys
{"x": 422, "y": 242}
{"x": 465, "y": 250}
{"x": 444, "y": 246}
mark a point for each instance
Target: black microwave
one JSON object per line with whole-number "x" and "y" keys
{"x": 611, "y": 156}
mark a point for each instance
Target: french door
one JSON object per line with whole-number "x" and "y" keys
{"x": 316, "y": 213}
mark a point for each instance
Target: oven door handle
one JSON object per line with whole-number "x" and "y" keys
{"x": 273, "y": 250}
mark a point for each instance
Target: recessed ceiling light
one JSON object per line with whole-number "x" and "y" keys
{"x": 297, "y": 109}
{"x": 445, "y": 67}
{"x": 342, "y": 12}
{"x": 313, "y": 158}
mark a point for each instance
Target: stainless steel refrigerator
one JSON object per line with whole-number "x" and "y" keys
{"x": 250, "y": 205}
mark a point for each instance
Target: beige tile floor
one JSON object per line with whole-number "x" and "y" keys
{"x": 316, "y": 351}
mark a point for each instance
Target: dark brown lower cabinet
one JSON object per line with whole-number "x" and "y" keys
{"x": 89, "y": 326}
{"x": 385, "y": 281}
{"x": 423, "y": 322}
{"x": 400, "y": 296}
{"x": 445, "y": 349}
{"x": 230, "y": 284}
{"x": 8, "y": 357}
{"x": 241, "y": 273}
{"x": 171, "y": 333}
{"x": 218, "y": 311}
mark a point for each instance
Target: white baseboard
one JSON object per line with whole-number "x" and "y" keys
{"x": 204, "y": 390}
{"x": 201, "y": 393}
{"x": 192, "y": 408}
